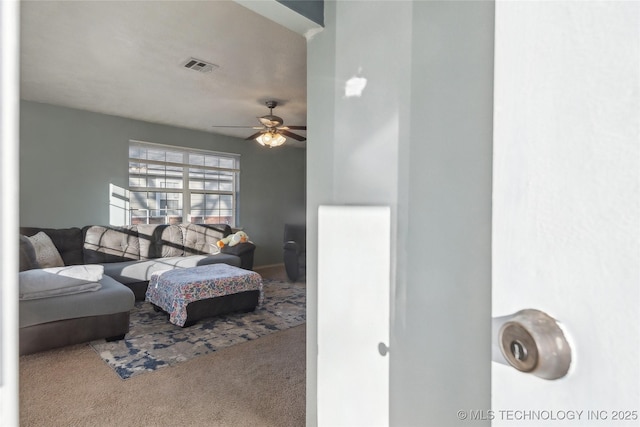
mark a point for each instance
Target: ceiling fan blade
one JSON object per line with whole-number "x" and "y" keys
{"x": 294, "y": 127}
{"x": 292, "y": 135}
{"x": 254, "y": 136}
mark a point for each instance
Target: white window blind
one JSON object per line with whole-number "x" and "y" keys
{"x": 170, "y": 185}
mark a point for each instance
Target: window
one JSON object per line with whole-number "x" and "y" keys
{"x": 170, "y": 185}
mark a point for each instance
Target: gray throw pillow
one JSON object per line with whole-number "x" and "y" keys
{"x": 28, "y": 259}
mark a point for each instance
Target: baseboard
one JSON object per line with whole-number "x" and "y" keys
{"x": 259, "y": 267}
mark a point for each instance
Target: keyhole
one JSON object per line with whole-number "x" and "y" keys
{"x": 518, "y": 347}
{"x": 518, "y": 350}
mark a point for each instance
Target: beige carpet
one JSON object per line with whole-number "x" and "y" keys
{"x": 256, "y": 383}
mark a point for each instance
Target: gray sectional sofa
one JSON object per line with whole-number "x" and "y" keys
{"x": 126, "y": 257}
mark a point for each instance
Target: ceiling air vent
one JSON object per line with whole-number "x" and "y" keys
{"x": 199, "y": 65}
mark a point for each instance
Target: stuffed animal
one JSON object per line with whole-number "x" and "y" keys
{"x": 239, "y": 237}
{"x": 233, "y": 239}
{"x": 224, "y": 241}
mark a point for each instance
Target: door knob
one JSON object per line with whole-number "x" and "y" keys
{"x": 532, "y": 341}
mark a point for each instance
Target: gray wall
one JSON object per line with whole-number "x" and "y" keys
{"x": 312, "y": 9}
{"x": 419, "y": 139}
{"x": 69, "y": 157}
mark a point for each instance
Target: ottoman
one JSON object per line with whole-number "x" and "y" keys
{"x": 191, "y": 294}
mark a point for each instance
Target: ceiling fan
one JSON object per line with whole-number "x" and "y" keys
{"x": 272, "y": 133}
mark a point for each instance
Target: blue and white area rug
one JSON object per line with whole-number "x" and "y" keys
{"x": 154, "y": 343}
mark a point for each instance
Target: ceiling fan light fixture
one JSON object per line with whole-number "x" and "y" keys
{"x": 273, "y": 132}
{"x": 271, "y": 139}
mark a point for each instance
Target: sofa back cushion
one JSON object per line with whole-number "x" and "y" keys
{"x": 68, "y": 241}
{"x": 110, "y": 244}
{"x": 200, "y": 239}
{"x": 160, "y": 240}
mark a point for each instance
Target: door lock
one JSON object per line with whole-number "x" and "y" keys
{"x": 518, "y": 347}
{"x": 532, "y": 341}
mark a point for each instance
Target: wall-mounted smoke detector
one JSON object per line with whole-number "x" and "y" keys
{"x": 199, "y": 65}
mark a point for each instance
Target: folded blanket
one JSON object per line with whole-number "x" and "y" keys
{"x": 57, "y": 281}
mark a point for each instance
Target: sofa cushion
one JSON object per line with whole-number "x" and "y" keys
{"x": 202, "y": 239}
{"x": 113, "y": 297}
{"x": 244, "y": 251}
{"x": 68, "y": 241}
{"x": 47, "y": 254}
{"x": 160, "y": 240}
{"x": 110, "y": 244}
{"x": 129, "y": 272}
{"x": 27, "y": 254}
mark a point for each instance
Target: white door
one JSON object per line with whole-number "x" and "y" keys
{"x": 9, "y": 158}
{"x": 353, "y": 315}
{"x": 566, "y": 217}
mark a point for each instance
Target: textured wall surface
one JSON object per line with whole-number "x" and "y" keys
{"x": 567, "y": 197}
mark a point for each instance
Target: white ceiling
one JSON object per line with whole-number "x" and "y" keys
{"x": 126, "y": 59}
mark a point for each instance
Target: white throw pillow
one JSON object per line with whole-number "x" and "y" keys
{"x": 47, "y": 254}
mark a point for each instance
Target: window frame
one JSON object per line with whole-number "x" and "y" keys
{"x": 186, "y": 191}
